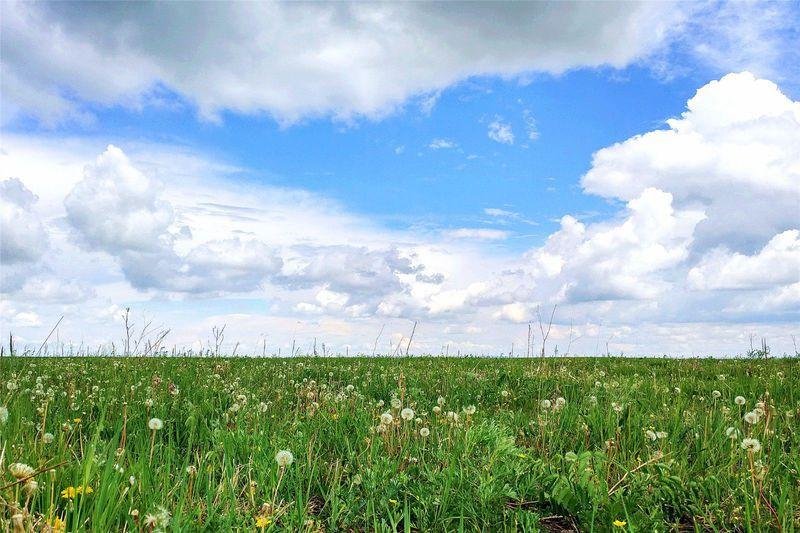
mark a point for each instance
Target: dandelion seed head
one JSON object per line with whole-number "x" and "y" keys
{"x": 284, "y": 458}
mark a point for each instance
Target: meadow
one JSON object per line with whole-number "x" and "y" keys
{"x": 398, "y": 444}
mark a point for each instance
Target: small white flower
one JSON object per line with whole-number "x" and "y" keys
{"x": 751, "y": 445}
{"x": 148, "y": 403}
{"x": 387, "y": 418}
{"x": 396, "y": 403}
{"x": 284, "y": 458}
{"x": 437, "y": 409}
{"x": 155, "y": 424}
{"x": 739, "y": 400}
{"x": 751, "y": 417}
{"x": 20, "y": 470}
{"x": 47, "y": 438}
{"x": 716, "y": 394}
{"x": 677, "y": 390}
{"x": 504, "y": 394}
{"x": 424, "y": 432}
{"x": 651, "y": 434}
{"x": 407, "y": 414}
{"x": 732, "y": 433}
{"x": 545, "y": 404}
{"x": 661, "y": 434}
{"x": 469, "y": 410}
{"x": 560, "y": 402}
{"x": 440, "y": 401}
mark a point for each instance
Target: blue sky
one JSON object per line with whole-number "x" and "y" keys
{"x": 387, "y": 174}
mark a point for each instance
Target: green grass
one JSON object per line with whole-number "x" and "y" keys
{"x": 512, "y": 465}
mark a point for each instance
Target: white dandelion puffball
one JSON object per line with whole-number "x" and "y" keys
{"x": 661, "y": 434}
{"x": 651, "y": 434}
{"x": 387, "y": 418}
{"x": 716, "y": 394}
{"x": 732, "y": 433}
{"x": 751, "y": 417}
{"x": 437, "y": 409}
{"x": 396, "y": 403}
{"x": 504, "y": 394}
{"x": 751, "y": 445}
{"x": 20, "y": 470}
{"x": 47, "y": 438}
{"x": 407, "y": 414}
{"x": 739, "y": 400}
{"x": 284, "y": 458}
{"x": 424, "y": 432}
{"x": 469, "y": 410}
{"x": 155, "y": 424}
{"x": 560, "y": 402}
{"x": 440, "y": 401}
{"x": 545, "y": 404}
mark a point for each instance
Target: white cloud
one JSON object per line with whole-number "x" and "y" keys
{"x": 778, "y": 263}
{"x": 439, "y": 144}
{"x": 23, "y": 239}
{"x": 356, "y": 59}
{"x": 501, "y": 132}
{"x": 485, "y": 234}
{"x": 735, "y": 154}
{"x": 530, "y": 125}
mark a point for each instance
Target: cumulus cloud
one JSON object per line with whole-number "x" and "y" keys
{"x": 618, "y": 260}
{"x": 355, "y": 59}
{"x": 23, "y": 238}
{"x": 778, "y": 263}
{"x": 734, "y": 153}
{"x": 501, "y": 132}
{"x": 117, "y": 208}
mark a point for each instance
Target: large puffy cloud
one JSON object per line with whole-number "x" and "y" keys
{"x": 778, "y": 263}
{"x": 23, "y": 238}
{"x": 619, "y": 260}
{"x": 734, "y": 153}
{"x": 117, "y": 208}
{"x": 295, "y": 60}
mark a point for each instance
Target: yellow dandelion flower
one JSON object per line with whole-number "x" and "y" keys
{"x": 393, "y": 502}
{"x": 263, "y": 521}
{"x": 68, "y": 493}
{"x": 620, "y": 523}
{"x": 76, "y": 420}
{"x": 57, "y": 525}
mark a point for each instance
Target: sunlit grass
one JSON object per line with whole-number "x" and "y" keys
{"x": 427, "y": 444}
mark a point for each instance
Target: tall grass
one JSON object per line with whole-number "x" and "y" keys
{"x": 592, "y": 444}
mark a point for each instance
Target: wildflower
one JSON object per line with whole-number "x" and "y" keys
{"x": 407, "y": 414}
{"x": 592, "y": 400}
{"x": 3, "y": 415}
{"x": 132, "y": 481}
{"x": 732, "y": 433}
{"x": 20, "y": 470}
{"x": 148, "y": 403}
{"x": 440, "y": 401}
{"x": 155, "y": 424}
{"x": 437, "y": 410}
{"x": 424, "y": 432}
{"x": 716, "y": 394}
{"x": 57, "y": 525}
{"x": 751, "y": 445}
{"x": 284, "y": 458}
{"x": 677, "y": 390}
{"x": 620, "y": 523}
{"x": 263, "y": 521}
{"x": 560, "y": 403}
{"x": 387, "y": 418}
{"x": 651, "y": 434}
{"x": 396, "y": 403}
{"x": 661, "y": 434}
{"x": 71, "y": 492}
{"x": 739, "y": 400}
{"x": 469, "y": 410}
{"x": 751, "y": 417}
{"x": 47, "y": 438}
{"x": 191, "y": 470}
{"x": 504, "y": 394}
{"x": 617, "y": 407}
{"x": 545, "y": 404}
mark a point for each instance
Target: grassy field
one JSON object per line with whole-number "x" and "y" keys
{"x": 403, "y": 444}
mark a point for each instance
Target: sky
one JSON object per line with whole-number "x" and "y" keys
{"x": 342, "y": 171}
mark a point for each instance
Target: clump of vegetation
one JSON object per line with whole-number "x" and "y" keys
{"x": 427, "y": 444}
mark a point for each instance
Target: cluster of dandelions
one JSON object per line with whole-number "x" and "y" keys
{"x": 24, "y": 473}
